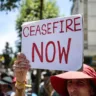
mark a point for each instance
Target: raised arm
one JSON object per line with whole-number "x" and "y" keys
{"x": 21, "y": 66}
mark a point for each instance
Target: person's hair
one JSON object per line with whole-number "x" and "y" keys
{"x": 93, "y": 86}
{"x": 67, "y": 94}
{"x": 3, "y": 75}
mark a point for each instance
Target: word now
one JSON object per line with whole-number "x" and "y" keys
{"x": 43, "y": 48}
{"x": 62, "y": 25}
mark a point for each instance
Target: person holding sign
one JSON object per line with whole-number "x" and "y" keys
{"x": 21, "y": 66}
{"x": 72, "y": 83}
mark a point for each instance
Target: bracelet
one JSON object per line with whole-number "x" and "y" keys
{"x": 21, "y": 84}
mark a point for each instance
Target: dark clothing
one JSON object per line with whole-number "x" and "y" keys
{"x": 1, "y": 94}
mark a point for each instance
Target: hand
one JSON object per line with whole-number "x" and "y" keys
{"x": 21, "y": 66}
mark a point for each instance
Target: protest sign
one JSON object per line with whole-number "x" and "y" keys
{"x": 55, "y": 44}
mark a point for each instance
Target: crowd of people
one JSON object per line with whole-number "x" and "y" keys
{"x": 8, "y": 81}
{"x": 71, "y": 83}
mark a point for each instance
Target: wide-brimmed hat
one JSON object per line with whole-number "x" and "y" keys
{"x": 59, "y": 81}
{"x": 3, "y": 83}
{"x": 6, "y": 80}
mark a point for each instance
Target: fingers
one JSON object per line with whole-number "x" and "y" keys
{"x": 21, "y": 67}
{"x": 20, "y": 56}
{"x": 27, "y": 67}
{"x": 21, "y": 62}
{"x": 21, "y": 59}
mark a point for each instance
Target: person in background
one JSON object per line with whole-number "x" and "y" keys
{"x": 1, "y": 93}
{"x": 6, "y": 86}
{"x": 46, "y": 88}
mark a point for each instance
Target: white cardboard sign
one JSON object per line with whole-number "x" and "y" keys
{"x": 54, "y": 44}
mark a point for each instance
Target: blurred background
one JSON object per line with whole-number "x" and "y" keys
{"x": 14, "y": 12}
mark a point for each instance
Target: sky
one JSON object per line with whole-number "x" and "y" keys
{"x": 8, "y": 31}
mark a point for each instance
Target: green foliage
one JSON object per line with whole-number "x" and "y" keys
{"x": 8, "y": 5}
{"x": 7, "y": 52}
{"x": 30, "y": 11}
{"x": 50, "y": 9}
{"x": 12, "y": 62}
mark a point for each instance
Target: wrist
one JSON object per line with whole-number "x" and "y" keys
{"x": 20, "y": 85}
{"x": 20, "y": 92}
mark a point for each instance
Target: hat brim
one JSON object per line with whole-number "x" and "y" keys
{"x": 3, "y": 83}
{"x": 59, "y": 81}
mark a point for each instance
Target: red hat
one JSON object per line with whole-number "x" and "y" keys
{"x": 59, "y": 81}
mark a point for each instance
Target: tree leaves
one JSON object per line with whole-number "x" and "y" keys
{"x": 8, "y": 5}
{"x": 30, "y": 11}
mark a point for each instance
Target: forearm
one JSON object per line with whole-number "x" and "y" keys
{"x": 20, "y": 92}
{"x": 21, "y": 66}
{"x": 20, "y": 88}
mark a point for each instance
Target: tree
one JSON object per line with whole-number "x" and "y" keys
{"x": 7, "y": 53}
{"x": 30, "y": 11}
{"x": 8, "y": 5}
